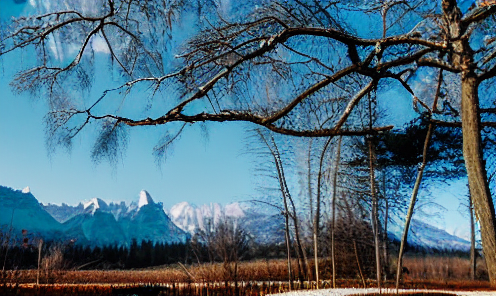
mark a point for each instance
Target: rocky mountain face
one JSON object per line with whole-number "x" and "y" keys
{"x": 94, "y": 223}
{"x": 267, "y": 228}
{"x": 20, "y": 210}
{"x": 262, "y": 227}
{"x": 427, "y": 236}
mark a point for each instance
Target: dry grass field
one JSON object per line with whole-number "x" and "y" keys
{"x": 428, "y": 272}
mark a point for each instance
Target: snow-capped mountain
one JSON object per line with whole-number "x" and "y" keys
{"x": 148, "y": 221}
{"x": 102, "y": 224}
{"x": 94, "y": 223}
{"x": 264, "y": 228}
{"x": 190, "y": 217}
{"x": 95, "y": 204}
{"x": 97, "y": 228}
{"x": 21, "y": 210}
{"x": 427, "y": 236}
{"x": 267, "y": 228}
{"x": 64, "y": 212}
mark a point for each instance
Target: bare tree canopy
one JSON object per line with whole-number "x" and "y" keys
{"x": 297, "y": 67}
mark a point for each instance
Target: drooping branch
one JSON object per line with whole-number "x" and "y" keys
{"x": 45, "y": 32}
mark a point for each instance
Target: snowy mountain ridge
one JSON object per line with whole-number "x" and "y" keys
{"x": 94, "y": 223}
{"x": 266, "y": 228}
{"x": 190, "y": 217}
{"x": 425, "y": 235}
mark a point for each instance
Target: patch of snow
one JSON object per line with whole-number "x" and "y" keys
{"x": 144, "y": 199}
{"x": 95, "y": 204}
{"x": 234, "y": 210}
{"x": 178, "y": 209}
{"x": 360, "y": 291}
{"x": 26, "y": 190}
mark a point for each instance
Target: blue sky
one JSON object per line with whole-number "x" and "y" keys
{"x": 198, "y": 171}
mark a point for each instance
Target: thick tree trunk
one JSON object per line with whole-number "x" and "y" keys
{"x": 476, "y": 171}
{"x": 462, "y": 56}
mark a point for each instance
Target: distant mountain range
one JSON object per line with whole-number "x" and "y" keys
{"x": 97, "y": 223}
{"x": 265, "y": 228}
{"x": 94, "y": 223}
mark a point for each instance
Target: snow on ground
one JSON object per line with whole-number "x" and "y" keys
{"x": 353, "y": 291}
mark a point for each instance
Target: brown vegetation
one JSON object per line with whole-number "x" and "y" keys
{"x": 423, "y": 271}
{"x": 443, "y": 268}
{"x": 255, "y": 278}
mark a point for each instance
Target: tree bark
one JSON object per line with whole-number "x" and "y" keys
{"x": 333, "y": 223}
{"x": 462, "y": 57}
{"x": 316, "y": 220}
{"x": 288, "y": 246}
{"x": 375, "y": 213}
{"x": 473, "y": 255}
{"x": 301, "y": 253}
{"x": 385, "y": 247}
{"x": 476, "y": 170}
{"x": 358, "y": 263}
{"x": 413, "y": 200}
{"x": 310, "y": 199}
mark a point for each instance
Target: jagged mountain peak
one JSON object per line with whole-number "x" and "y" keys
{"x": 144, "y": 199}
{"x": 26, "y": 190}
{"x": 99, "y": 223}
{"x": 95, "y": 204}
{"x": 191, "y": 218}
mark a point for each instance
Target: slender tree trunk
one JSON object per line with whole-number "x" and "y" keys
{"x": 385, "y": 235}
{"x": 358, "y": 263}
{"x": 287, "y": 196}
{"x": 284, "y": 191}
{"x": 299, "y": 250}
{"x": 413, "y": 200}
{"x": 301, "y": 253}
{"x": 473, "y": 255}
{"x": 316, "y": 220}
{"x": 375, "y": 213}
{"x": 286, "y": 214}
{"x": 288, "y": 247}
{"x": 8, "y": 240}
{"x": 333, "y": 213}
{"x": 476, "y": 170}
{"x": 310, "y": 198}
{"x": 40, "y": 245}
{"x": 309, "y": 177}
